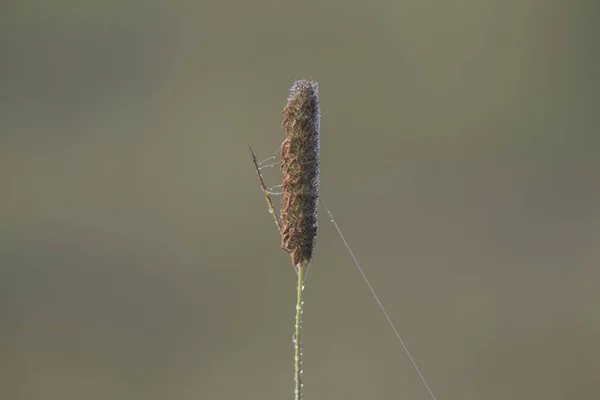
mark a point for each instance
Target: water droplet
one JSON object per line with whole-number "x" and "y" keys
{"x": 303, "y": 286}
{"x": 270, "y": 210}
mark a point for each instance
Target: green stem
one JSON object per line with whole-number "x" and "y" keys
{"x": 297, "y": 337}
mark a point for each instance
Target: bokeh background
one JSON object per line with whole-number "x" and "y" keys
{"x": 459, "y": 156}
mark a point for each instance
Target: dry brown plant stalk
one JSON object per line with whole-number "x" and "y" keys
{"x": 300, "y": 165}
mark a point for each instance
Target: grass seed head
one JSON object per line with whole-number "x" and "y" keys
{"x": 300, "y": 165}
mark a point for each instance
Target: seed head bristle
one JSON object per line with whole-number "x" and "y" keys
{"x": 300, "y": 165}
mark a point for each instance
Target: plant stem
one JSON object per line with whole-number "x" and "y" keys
{"x": 265, "y": 190}
{"x": 297, "y": 336}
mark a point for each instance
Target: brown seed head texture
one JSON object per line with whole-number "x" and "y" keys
{"x": 300, "y": 165}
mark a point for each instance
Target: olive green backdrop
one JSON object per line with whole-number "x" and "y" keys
{"x": 459, "y": 154}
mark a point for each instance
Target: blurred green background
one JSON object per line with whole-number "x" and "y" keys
{"x": 459, "y": 155}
